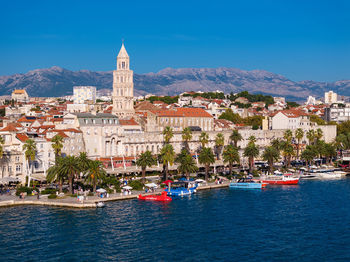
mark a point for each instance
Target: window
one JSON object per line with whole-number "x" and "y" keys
{"x": 17, "y": 158}
{"x": 9, "y": 169}
{"x": 18, "y": 168}
{"x": 123, "y": 65}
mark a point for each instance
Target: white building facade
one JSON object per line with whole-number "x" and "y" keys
{"x": 84, "y": 93}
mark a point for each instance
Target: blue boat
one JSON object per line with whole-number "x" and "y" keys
{"x": 182, "y": 188}
{"x": 246, "y": 183}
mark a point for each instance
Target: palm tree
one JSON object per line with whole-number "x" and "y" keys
{"x": 235, "y": 137}
{"x": 231, "y": 156}
{"x": 186, "y": 137}
{"x": 167, "y": 156}
{"x": 252, "y": 139}
{"x": 329, "y": 151}
{"x": 288, "y": 135}
{"x": 145, "y": 160}
{"x": 299, "y": 134}
{"x": 270, "y": 155}
{"x": 288, "y": 151}
{"x": 95, "y": 172}
{"x": 318, "y": 134}
{"x": 69, "y": 166}
{"x": 308, "y": 155}
{"x": 187, "y": 163}
{"x": 277, "y": 144}
{"x": 219, "y": 144}
{"x": 57, "y": 145}
{"x": 167, "y": 134}
{"x": 251, "y": 151}
{"x": 2, "y": 142}
{"x": 83, "y": 162}
{"x": 206, "y": 157}
{"x": 29, "y": 148}
{"x": 310, "y": 136}
{"x": 54, "y": 173}
{"x": 204, "y": 139}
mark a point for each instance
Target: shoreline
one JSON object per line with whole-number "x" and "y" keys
{"x": 89, "y": 203}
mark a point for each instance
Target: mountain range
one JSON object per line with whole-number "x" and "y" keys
{"x": 57, "y": 81}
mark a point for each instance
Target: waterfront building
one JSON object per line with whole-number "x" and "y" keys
{"x": 84, "y": 94}
{"x": 123, "y": 86}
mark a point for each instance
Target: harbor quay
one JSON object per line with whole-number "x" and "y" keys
{"x": 90, "y": 202}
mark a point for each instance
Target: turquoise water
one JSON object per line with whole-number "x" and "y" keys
{"x": 308, "y": 222}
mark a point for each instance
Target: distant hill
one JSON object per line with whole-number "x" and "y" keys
{"x": 56, "y": 81}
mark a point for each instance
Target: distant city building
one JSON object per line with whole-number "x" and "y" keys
{"x": 311, "y": 100}
{"x": 337, "y": 112}
{"x": 82, "y": 94}
{"x": 123, "y": 86}
{"x": 280, "y": 100}
{"x": 330, "y": 97}
{"x": 20, "y": 95}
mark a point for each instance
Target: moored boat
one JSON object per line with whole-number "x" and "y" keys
{"x": 182, "y": 188}
{"x": 247, "y": 183}
{"x": 162, "y": 197}
{"x": 286, "y": 179}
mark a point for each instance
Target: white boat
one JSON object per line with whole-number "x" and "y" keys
{"x": 100, "y": 204}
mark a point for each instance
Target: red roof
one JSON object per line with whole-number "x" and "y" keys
{"x": 128, "y": 122}
{"x": 183, "y": 112}
{"x": 10, "y": 128}
{"x": 22, "y": 137}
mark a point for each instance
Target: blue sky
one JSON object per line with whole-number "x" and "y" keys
{"x": 303, "y": 40}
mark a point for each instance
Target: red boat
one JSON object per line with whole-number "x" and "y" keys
{"x": 161, "y": 197}
{"x": 286, "y": 179}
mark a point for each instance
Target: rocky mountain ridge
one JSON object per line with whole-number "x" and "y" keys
{"x": 57, "y": 81}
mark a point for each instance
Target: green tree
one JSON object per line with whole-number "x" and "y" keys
{"x": 329, "y": 151}
{"x": 83, "y": 162}
{"x": 235, "y": 137}
{"x": 145, "y": 160}
{"x": 204, "y": 139}
{"x": 187, "y": 165}
{"x": 167, "y": 156}
{"x": 230, "y": 116}
{"x": 251, "y": 151}
{"x": 57, "y": 145}
{"x": 55, "y": 174}
{"x": 219, "y": 144}
{"x": 299, "y": 134}
{"x": 186, "y": 137}
{"x": 288, "y": 135}
{"x": 95, "y": 173}
{"x": 167, "y": 134}
{"x": 318, "y": 134}
{"x": 310, "y": 136}
{"x": 308, "y": 155}
{"x": 2, "y": 142}
{"x": 287, "y": 151}
{"x": 277, "y": 144}
{"x": 29, "y": 148}
{"x": 206, "y": 157}
{"x": 231, "y": 156}
{"x": 69, "y": 167}
{"x": 270, "y": 155}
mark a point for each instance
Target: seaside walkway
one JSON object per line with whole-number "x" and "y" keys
{"x": 90, "y": 202}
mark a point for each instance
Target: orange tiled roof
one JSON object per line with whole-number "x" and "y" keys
{"x": 128, "y": 122}
{"x": 19, "y": 91}
{"x": 22, "y": 137}
{"x": 9, "y": 128}
{"x": 183, "y": 112}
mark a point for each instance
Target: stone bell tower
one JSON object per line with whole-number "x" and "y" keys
{"x": 123, "y": 86}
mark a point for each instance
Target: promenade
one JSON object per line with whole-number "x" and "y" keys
{"x": 90, "y": 202}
